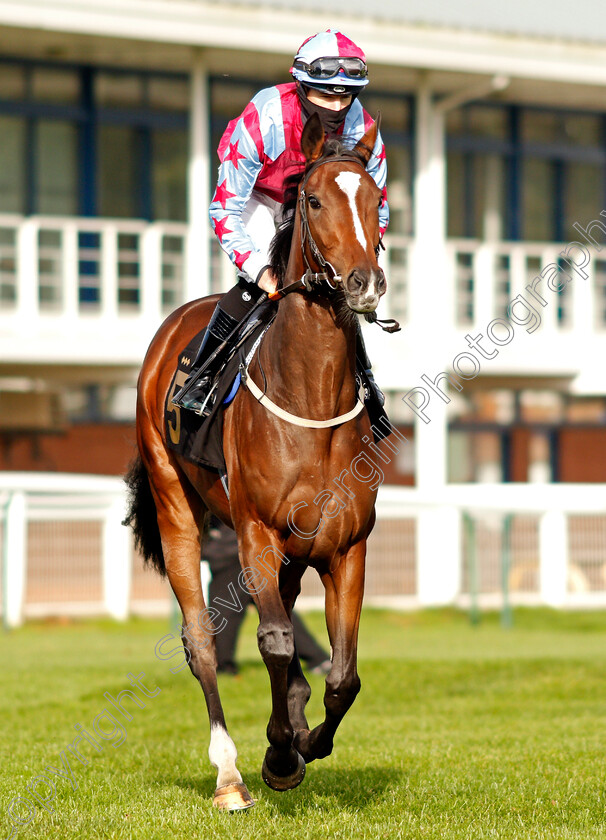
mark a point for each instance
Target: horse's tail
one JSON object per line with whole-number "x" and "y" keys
{"x": 142, "y": 515}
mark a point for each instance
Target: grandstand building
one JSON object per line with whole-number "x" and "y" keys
{"x": 494, "y": 118}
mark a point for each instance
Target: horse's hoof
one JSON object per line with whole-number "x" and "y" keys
{"x": 309, "y": 745}
{"x": 284, "y": 782}
{"x": 233, "y": 798}
{"x": 301, "y": 743}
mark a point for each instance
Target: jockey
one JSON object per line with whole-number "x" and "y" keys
{"x": 258, "y": 152}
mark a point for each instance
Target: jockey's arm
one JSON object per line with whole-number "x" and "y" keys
{"x": 242, "y": 152}
{"x": 377, "y": 167}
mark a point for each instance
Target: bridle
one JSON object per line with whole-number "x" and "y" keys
{"x": 306, "y": 234}
{"x": 311, "y": 279}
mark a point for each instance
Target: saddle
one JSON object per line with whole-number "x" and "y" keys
{"x": 200, "y": 439}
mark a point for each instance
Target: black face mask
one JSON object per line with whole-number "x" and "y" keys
{"x": 331, "y": 120}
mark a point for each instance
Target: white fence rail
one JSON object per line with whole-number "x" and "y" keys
{"x": 91, "y": 277}
{"x": 64, "y": 551}
{"x": 553, "y": 293}
{"x": 554, "y": 534}
{"x": 28, "y": 499}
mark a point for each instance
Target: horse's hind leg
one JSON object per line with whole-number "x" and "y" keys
{"x": 178, "y": 516}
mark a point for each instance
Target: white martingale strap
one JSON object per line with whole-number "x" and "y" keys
{"x": 292, "y": 418}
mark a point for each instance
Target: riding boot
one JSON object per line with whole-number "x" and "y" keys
{"x": 231, "y": 310}
{"x": 374, "y": 398}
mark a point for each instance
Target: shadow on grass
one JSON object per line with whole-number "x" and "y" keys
{"x": 204, "y": 787}
{"x": 351, "y": 788}
{"x": 330, "y": 788}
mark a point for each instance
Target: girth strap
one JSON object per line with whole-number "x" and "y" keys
{"x": 292, "y": 418}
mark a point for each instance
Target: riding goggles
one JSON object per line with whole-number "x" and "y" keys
{"x": 328, "y": 68}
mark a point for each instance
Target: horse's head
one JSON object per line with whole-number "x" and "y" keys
{"x": 339, "y": 205}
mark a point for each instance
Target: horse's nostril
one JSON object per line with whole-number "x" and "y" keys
{"x": 355, "y": 282}
{"x": 382, "y": 284}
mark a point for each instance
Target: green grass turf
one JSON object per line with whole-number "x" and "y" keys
{"x": 459, "y": 732}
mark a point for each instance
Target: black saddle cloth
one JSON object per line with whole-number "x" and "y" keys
{"x": 200, "y": 439}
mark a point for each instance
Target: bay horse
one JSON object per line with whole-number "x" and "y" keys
{"x": 280, "y": 475}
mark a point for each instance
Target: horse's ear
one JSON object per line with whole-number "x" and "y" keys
{"x": 365, "y": 146}
{"x": 312, "y": 139}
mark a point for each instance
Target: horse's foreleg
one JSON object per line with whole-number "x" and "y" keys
{"x": 283, "y": 767}
{"x": 344, "y": 591}
{"x": 298, "y": 690}
{"x": 299, "y": 693}
{"x": 177, "y": 520}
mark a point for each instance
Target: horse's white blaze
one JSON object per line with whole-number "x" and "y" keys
{"x": 349, "y": 182}
{"x": 223, "y": 753}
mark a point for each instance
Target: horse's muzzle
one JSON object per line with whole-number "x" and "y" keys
{"x": 364, "y": 288}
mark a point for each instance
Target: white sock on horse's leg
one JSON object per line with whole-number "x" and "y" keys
{"x": 223, "y": 753}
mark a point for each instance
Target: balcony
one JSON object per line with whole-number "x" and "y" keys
{"x": 86, "y": 291}
{"x": 93, "y": 292}
{"x": 555, "y": 330}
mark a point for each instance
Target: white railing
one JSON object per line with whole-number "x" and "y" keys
{"x": 518, "y": 309}
{"x": 27, "y": 498}
{"x": 95, "y": 290}
{"x": 395, "y": 261}
{"x": 563, "y": 549}
{"x": 100, "y": 285}
{"x": 560, "y": 288}
{"x": 481, "y": 544}
{"x": 67, "y": 284}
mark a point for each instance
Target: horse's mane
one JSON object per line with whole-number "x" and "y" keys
{"x": 281, "y": 243}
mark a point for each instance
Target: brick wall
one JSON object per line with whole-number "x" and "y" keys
{"x": 582, "y": 455}
{"x": 99, "y": 449}
{"x": 107, "y": 448}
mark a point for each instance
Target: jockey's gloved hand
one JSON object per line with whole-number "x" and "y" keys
{"x": 268, "y": 281}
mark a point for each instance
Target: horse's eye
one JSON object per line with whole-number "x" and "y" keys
{"x": 314, "y": 203}
{"x": 380, "y": 202}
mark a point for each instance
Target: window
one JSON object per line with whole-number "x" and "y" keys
{"x": 523, "y": 173}
{"x": 12, "y": 164}
{"x": 118, "y": 156}
{"x": 169, "y": 174}
{"x": 477, "y": 172}
{"x": 55, "y": 85}
{"x": 143, "y": 146}
{"x": 538, "y": 200}
{"x": 118, "y": 90}
{"x": 396, "y": 132}
{"x": 583, "y": 195}
{"x": 86, "y": 141}
{"x": 477, "y": 192}
{"x": 559, "y": 127}
{"x": 12, "y": 82}
{"x": 57, "y": 156}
